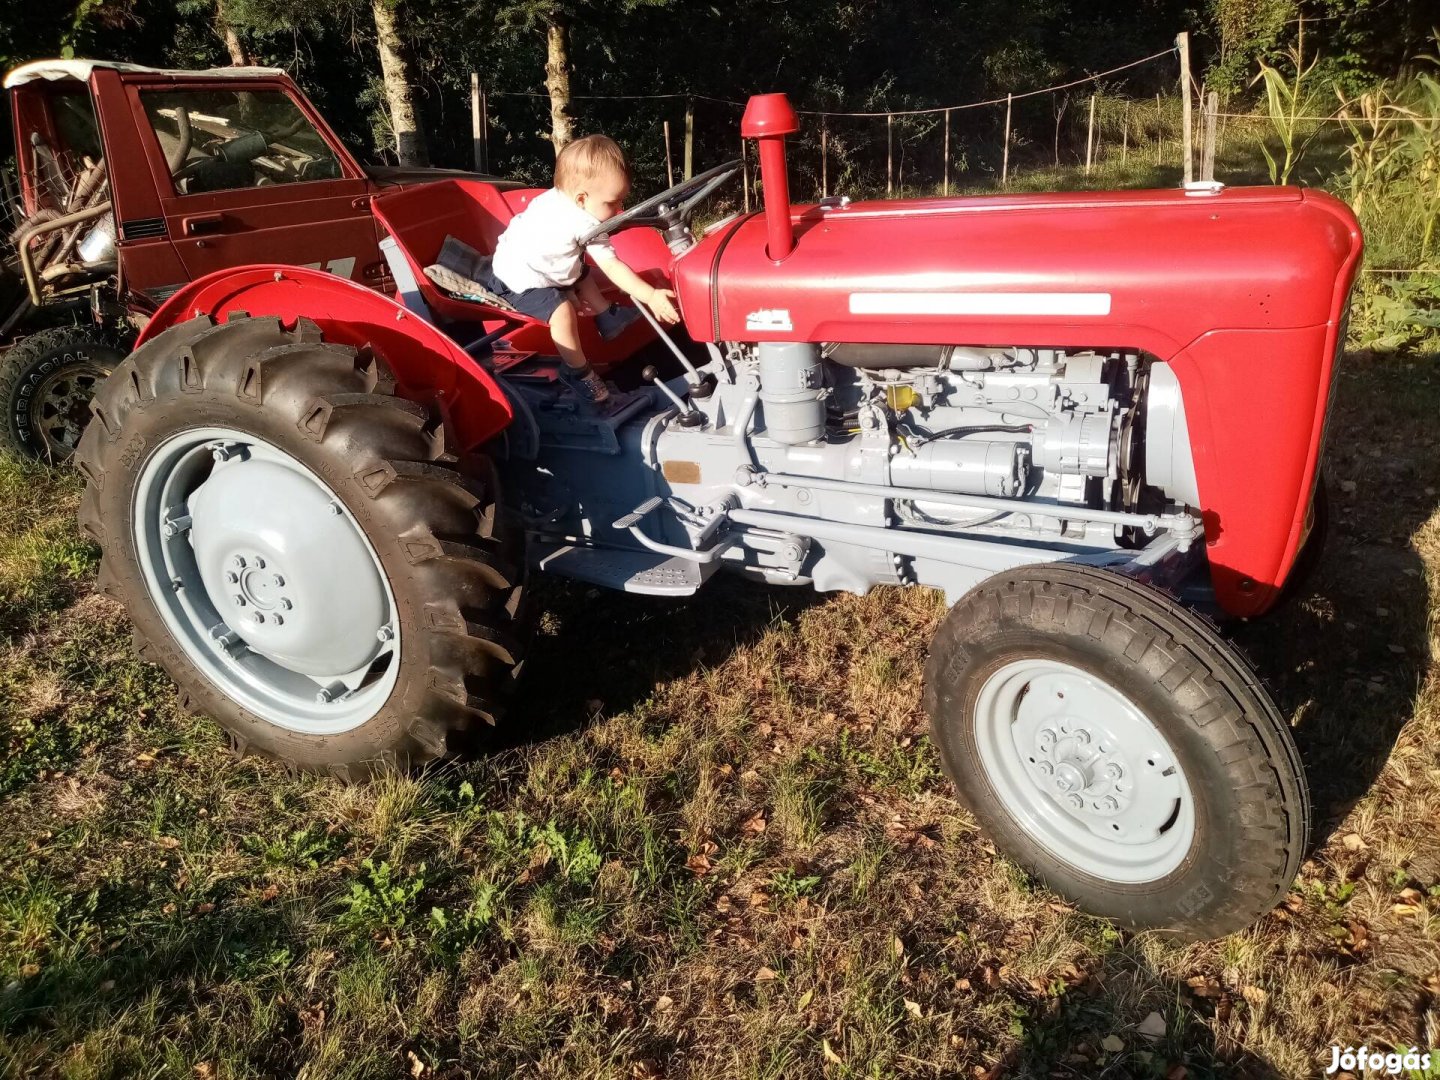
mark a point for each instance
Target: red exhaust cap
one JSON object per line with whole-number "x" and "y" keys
{"x": 768, "y": 114}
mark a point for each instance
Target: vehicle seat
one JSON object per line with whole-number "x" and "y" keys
{"x": 420, "y": 217}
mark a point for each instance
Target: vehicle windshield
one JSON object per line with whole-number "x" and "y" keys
{"x": 219, "y": 140}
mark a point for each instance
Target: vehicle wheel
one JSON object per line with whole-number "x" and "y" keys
{"x": 296, "y": 547}
{"x": 46, "y": 384}
{"x": 1112, "y": 743}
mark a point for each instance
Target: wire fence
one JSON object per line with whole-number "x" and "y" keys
{"x": 872, "y": 150}
{"x": 1083, "y": 132}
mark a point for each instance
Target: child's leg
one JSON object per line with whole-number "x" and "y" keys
{"x": 590, "y": 295}
{"x": 565, "y": 332}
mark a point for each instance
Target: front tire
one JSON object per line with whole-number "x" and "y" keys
{"x": 46, "y": 384}
{"x": 1113, "y": 744}
{"x": 297, "y": 548}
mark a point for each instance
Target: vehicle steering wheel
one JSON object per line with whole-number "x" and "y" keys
{"x": 675, "y": 205}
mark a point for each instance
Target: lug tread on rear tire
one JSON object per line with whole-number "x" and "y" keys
{"x": 442, "y": 527}
{"x": 1181, "y": 653}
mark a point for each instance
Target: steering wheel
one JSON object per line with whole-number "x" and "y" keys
{"x": 672, "y": 206}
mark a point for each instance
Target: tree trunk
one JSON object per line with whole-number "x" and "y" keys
{"x": 399, "y": 93}
{"x": 557, "y": 79}
{"x": 223, "y": 27}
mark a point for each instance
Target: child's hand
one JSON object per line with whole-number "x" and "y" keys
{"x": 661, "y": 304}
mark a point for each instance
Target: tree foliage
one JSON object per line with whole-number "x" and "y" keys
{"x": 828, "y": 54}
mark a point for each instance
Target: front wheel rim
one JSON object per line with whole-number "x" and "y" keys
{"x": 266, "y": 581}
{"x": 1084, "y": 772}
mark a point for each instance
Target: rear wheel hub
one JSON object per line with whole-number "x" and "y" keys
{"x": 266, "y": 580}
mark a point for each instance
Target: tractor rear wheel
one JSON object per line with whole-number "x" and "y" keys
{"x": 1114, "y": 744}
{"x": 46, "y": 384}
{"x": 295, "y": 545}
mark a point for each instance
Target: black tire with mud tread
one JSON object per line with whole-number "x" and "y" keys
{"x": 453, "y": 559}
{"x": 1252, "y": 804}
{"x": 27, "y": 364}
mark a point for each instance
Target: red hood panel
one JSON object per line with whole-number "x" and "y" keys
{"x": 1145, "y": 269}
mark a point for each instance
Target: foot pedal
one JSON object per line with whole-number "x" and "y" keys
{"x": 644, "y": 572}
{"x": 639, "y": 514}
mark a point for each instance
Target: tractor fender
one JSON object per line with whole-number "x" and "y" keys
{"x": 426, "y": 362}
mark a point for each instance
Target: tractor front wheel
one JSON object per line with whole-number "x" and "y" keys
{"x": 1115, "y": 745}
{"x": 46, "y": 384}
{"x": 297, "y": 547}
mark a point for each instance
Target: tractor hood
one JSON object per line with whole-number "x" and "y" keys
{"x": 1140, "y": 269}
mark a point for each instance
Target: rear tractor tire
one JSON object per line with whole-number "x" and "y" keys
{"x": 1113, "y": 744}
{"x": 297, "y": 548}
{"x": 46, "y": 384}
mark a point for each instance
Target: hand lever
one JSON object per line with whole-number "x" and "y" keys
{"x": 689, "y": 415}
{"x": 693, "y": 377}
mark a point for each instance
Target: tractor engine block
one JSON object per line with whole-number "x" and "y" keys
{"x": 1011, "y": 423}
{"x": 846, "y": 464}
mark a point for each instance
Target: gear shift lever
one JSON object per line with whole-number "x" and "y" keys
{"x": 689, "y": 415}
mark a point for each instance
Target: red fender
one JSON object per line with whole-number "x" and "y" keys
{"x": 426, "y": 362}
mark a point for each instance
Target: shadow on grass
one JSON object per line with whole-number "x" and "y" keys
{"x": 613, "y": 648}
{"x": 1187, "y": 1050}
{"x": 163, "y": 969}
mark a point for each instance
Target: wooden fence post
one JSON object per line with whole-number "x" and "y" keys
{"x": 1159, "y": 128}
{"x": 1207, "y": 146}
{"x": 689, "y": 139}
{"x": 1182, "y": 42}
{"x": 1125, "y": 136}
{"x": 945, "y": 189}
{"x": 1005, "y": 158}
{"x": 824, "y": 156}
{"x": 477, "y": 139}
{"x": 1090, "y": 137}
{"x": 669, "y": 165}
{"x": 889, "y": 154}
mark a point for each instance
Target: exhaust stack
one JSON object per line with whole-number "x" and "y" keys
{"x": 768, "y": 119}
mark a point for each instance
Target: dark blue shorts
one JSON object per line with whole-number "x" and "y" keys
{"x": 537, "y": 303}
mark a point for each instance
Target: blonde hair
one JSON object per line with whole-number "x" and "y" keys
{"x": 586, "y": 159}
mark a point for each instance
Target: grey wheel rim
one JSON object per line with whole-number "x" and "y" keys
{"x": 266, "y": 581}
{"x": 60, "y": 406}
{"x": 1084, "y": 771}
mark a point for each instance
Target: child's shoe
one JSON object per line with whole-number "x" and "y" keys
{"x": 587, "y": 386}
{"x": 614, "y": 319}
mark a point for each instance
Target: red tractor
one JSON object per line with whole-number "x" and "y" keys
{"x": 319, "y": 504}
{"x": 136, "y": 181}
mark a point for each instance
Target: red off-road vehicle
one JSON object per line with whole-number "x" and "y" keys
{"x": 134, "y": 181}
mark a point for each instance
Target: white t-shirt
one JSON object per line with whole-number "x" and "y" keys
{"x": 540, "y": 248}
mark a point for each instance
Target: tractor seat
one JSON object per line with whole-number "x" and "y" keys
{"x": 423, "y": 216}
{"x": 472, "y": 214}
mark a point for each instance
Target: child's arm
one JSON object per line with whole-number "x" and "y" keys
{"x": 660, "y": 301}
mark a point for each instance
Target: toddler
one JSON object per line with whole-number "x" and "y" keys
{"x": 540, "y": 261}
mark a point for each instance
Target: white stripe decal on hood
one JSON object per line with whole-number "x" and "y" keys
{"x": 979, "y": 303}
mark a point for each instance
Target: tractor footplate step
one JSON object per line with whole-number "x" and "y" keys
{"x": 644, "y": 572}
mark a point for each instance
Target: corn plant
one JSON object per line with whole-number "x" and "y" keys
{"x": 1291, "y": 104}
{"x": 1393, "y": 185}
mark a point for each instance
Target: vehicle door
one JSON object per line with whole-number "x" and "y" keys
{"x": 247, "y": 176}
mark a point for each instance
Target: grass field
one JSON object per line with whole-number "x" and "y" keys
{"x": 717, "y": 844}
